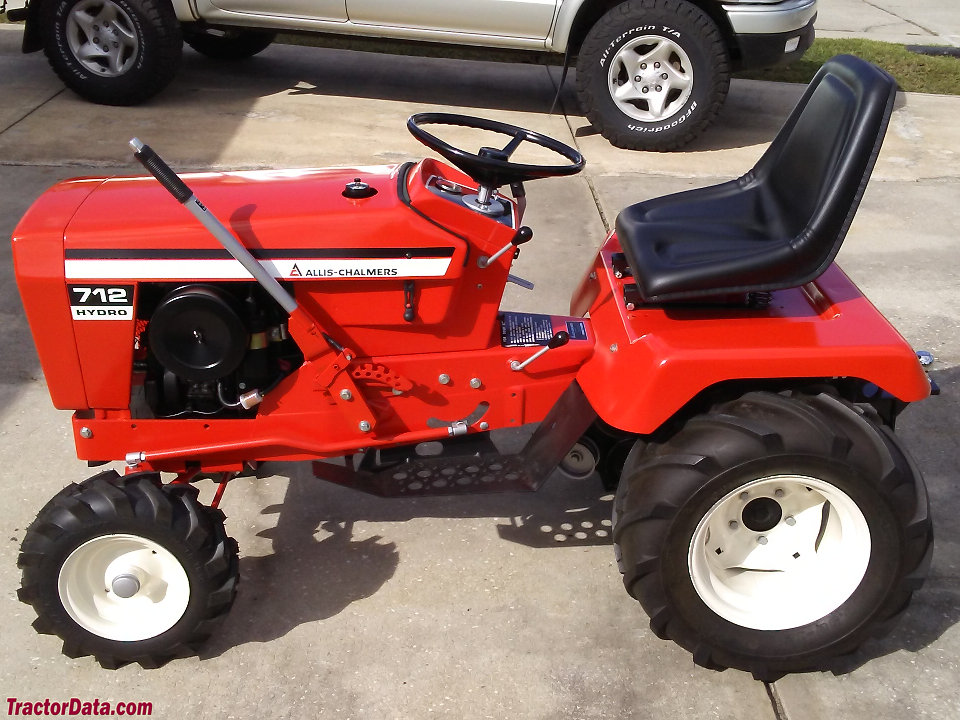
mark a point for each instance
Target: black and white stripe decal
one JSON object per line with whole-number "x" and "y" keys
{"x": 331, "y": 263}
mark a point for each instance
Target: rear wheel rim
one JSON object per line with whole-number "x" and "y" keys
{"x": 102, "y": 37}
{"x": 123, "y": 587}
{"x": 779, "y": 552}
{"x": 650, "y": 78}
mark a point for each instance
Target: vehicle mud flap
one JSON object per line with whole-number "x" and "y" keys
{"x": 468, "y": 464}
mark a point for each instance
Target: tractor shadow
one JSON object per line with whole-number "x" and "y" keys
{"x": 929, "y": 430}
{"x": 321, "y": 564}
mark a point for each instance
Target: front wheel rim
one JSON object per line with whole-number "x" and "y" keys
{"x": 123, "y": 587}
{"x": 650, "y": 78}
{"x": 102, "y": 37}
{"x": 779, "y": 552}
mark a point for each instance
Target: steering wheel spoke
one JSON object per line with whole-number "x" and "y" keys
{"x": 511, "y": 147}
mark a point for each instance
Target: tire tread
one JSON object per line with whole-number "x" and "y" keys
{"x": 140, "y": 499}
{"x": 726, "y": 436}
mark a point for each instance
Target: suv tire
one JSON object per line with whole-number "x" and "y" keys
{"x": 652, "y": 74}
{"x": 113, "y": 52}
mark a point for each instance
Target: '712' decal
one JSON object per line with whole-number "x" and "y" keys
{"x": 101, "y": 302}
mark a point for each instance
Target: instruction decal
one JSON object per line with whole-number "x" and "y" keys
{"x": 518, "y": 329}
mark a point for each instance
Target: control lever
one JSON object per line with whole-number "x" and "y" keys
{"x": 184, "y": 195}
{"x": 525, "y": 284}
{"x": 524, "y": 234}
{"x": 559, "y": 339}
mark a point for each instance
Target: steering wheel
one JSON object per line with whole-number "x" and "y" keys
{"x": 491, "y": 167}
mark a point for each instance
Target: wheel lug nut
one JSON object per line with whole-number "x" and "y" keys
{"x": 659, "y": 89}
{"x": 790, "y": 520}
{"x": 96, "y": 41}
{"x": 646, "y": 89}
{"x": 663, "y": 76}
{"x": 762, "y": 540}
{"x": 744, "y": 495}
{"x": 637, "y": 78}
{"x": 778, "y": 493}
{"x": 643, "y": 66}
{"x": 656, "y": 65}
{"x": 733, "y": 524}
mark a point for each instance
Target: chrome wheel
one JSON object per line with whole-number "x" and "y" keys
{"x": 650, "y": 78}
{"x": 102, "y": 37}
{"x": 779, "y": 552}
{"x": 123, "y": 587}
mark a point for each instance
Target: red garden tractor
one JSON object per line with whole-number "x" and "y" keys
{"x": 715, "y": 365}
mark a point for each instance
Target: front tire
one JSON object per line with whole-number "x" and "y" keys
{"x": 112, "y": 52}
{"x": 774, "y": 533}
{"x": 227, "y": 45}
{"x": 127, "y": 569}
{"x": 652, "y": 74}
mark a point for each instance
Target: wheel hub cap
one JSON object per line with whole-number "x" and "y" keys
{"x": 650, "y": 78}
{"x": 126, "y": 585}
{"x": 102, "y": 37}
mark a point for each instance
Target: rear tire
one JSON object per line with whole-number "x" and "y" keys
{"x": 229, "y": 44}
{"x": 128, "y": 570}
{"x": 774, "y": 533}
{"x": 112, "y": 52}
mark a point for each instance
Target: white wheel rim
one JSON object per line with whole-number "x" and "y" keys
{"x": 153, "y": 586}
{"x": 650, "y": 78}
{"x": 102, "y": 37}
{"x": 765, "y": 573}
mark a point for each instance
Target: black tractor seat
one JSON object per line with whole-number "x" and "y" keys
{"x": 782, "y": 223}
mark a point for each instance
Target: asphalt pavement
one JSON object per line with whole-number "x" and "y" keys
{"x": 466, "y": 607}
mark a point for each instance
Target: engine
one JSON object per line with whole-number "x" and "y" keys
{"x": 205, "y": 349}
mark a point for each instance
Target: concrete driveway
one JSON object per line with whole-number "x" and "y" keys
{"x": 357, "y": 607}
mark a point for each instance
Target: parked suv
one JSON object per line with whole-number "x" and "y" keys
{"x": 651, "y": 74}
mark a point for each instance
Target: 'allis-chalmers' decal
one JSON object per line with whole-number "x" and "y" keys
{"x": 101, "y": 302}
{"x": 283, "y": 264}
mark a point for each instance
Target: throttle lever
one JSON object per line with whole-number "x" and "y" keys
{"x": 559, "y": 339}
{"x": 524, "y": 234}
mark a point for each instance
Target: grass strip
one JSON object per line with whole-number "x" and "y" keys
{"x": 914, "y": 72}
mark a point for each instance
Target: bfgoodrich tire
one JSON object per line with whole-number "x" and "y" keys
{"x": 774, "y": 533}
{"x": 231, "y": 44}
{"x": 652, "y": 74}
{"x": 127, "y": 569}
{"x": 112, "y": 52}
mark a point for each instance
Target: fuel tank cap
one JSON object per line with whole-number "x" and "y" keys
{"x": 358, "y": 189}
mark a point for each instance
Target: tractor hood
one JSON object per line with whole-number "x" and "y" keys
{"x": 131, "y": 228}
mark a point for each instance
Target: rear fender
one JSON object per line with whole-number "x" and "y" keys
{"x": 652, "y": 361}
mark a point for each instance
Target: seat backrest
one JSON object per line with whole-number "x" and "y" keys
{"x": 816, "y": 169}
